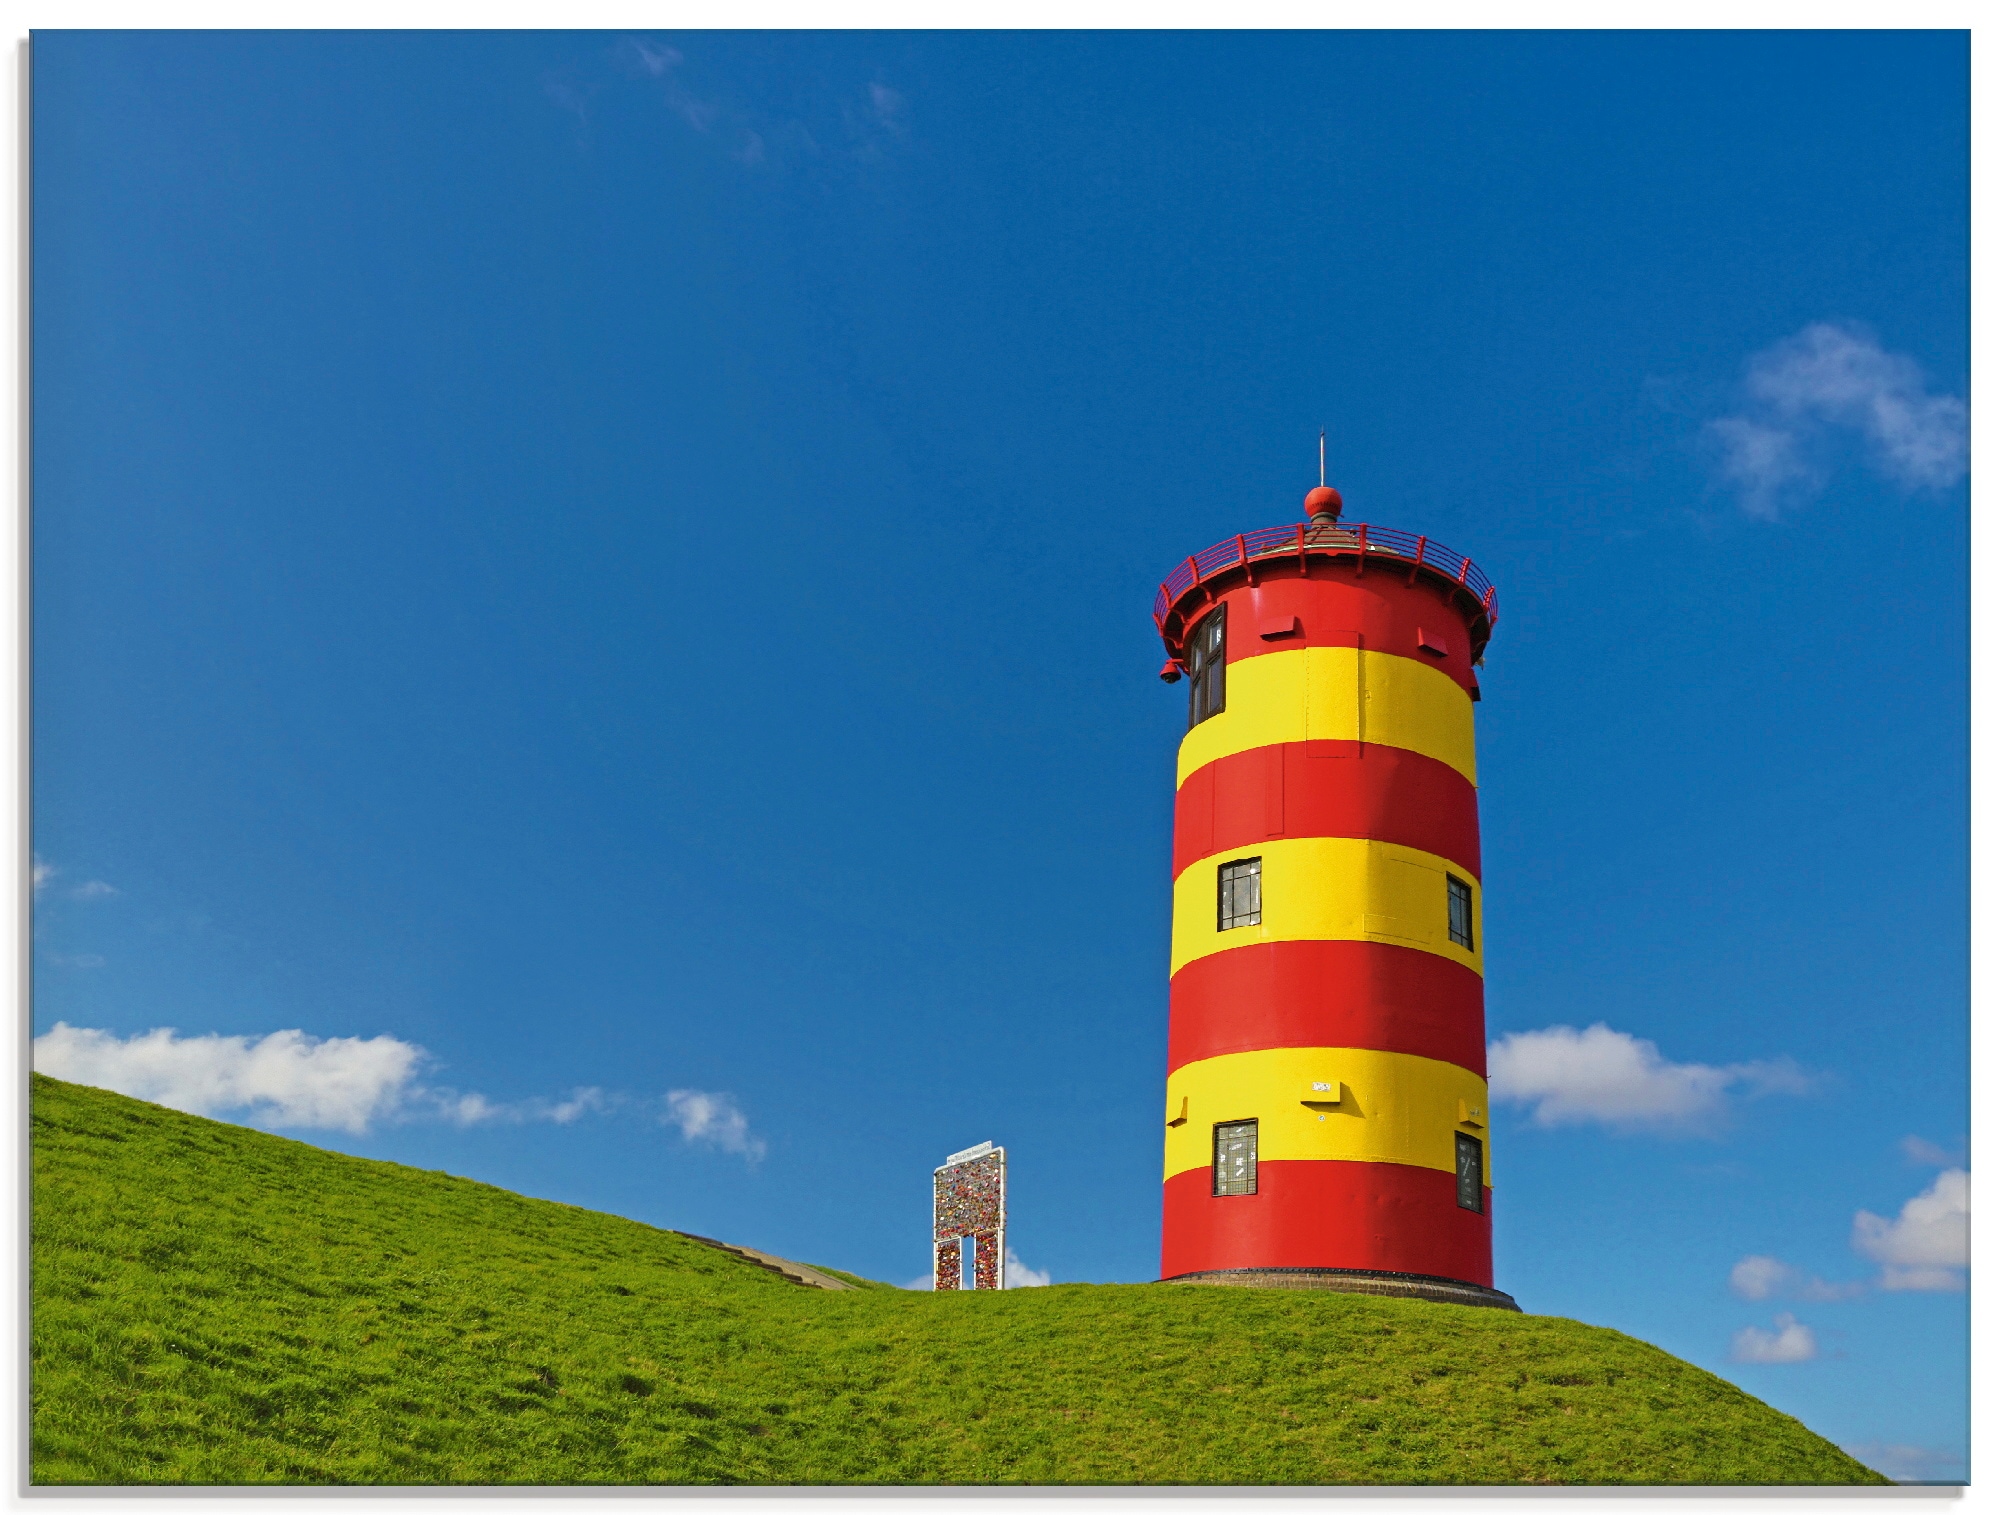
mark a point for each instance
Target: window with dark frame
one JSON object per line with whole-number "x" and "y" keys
{"x": 1471, "y": 1174}
{"x": 1236, "y": 1157}
{"x": 1239, "y": 894}
{"x": 1204, "y": 665}
{"x": 1458, "y": 895}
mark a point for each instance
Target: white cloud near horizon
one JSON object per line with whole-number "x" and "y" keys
{"x": 1928, "y": 1246}
{"x": 1019, "y": 1276}
{"x": 713, "y": 1119}
{"x": 1825, "y": 380}
{"x": 1907, "y": 1463}
{"x": 1791, "y": 1342}
{"x": 284, "y": 1079}
{"x": 1614, "y": 1079}
{"x": 289, "y": 1080}
{"x": 1758, "y": 1277}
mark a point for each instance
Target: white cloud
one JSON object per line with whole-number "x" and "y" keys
{"x": 288, "y": 1079}
{"x": 1906, "y": 1463}
{"x": 1021, "y": 1276}
{"x": 1611, "y": 1077}
{"x": 714, "y": 1119}
{"x": 1929, "y": 1245}
{"x": 1791, "y": 1342}
{"x": 94, "y": 889}
{"x": 1759, "y": 1277}
{"x": 42, "y": 873}
{"x": 284, "y": 1079}
{"x": 77, "y": 959}
{"x": 1829, "y": 379}
{"x": 1929, "y": 1154}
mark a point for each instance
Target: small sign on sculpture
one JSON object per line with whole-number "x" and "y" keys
{"x": 969, "y": 1226}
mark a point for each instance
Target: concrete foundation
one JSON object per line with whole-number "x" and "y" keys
{"x": 1449, "y": 1291}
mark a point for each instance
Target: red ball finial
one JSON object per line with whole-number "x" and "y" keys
{"x": 1323, "y": 501}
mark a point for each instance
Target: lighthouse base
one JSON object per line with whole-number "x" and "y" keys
{"x": 1449, "y": 1291}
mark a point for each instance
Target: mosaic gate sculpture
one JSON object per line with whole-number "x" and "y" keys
{"x": 970, "y": 1208}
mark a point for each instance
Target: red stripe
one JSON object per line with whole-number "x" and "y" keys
{"x": 1327, "y": 994}
{"x": 1390, "y": 1217}
{"x": 1387, "y": 794}
{"x": 1377, "y": 611}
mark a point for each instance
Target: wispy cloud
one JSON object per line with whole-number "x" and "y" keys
{"x": 660, "y": 64}
{"x": 42, "y": 873}
{"x": 654, "y": 58}
{"x": 478, "y": 1110}
{"x": 714, "y": 1120}
{"x": 1930, "y": 1154}
{"x": 1830, "y": 380}
{"x": 77, "y": 959}
{"x": 1761, "y": 1278}
{"x": 1929, "y": 1245}
{"x": 857, "y": 125}
{"x": 1614, "y": 1079}
{"x": 1791, "y": 1342}
{"x": 887, "y": 104}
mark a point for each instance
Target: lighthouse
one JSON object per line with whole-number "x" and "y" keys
{"x": 1326, "y": 1114}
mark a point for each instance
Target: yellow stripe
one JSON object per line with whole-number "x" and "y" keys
{"x": 1338, "y": 694}
{"x": 1381, "y": 1107}
{"x": 1329, "y": 888}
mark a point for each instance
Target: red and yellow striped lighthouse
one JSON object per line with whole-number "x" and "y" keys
{"x": 1326, "y": 1121}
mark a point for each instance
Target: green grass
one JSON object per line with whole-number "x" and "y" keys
{"x": 217, "y": 1305}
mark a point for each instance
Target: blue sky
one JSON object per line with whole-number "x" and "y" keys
{"x": 604, "y": 580}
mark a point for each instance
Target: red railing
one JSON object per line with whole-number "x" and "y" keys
{"x": 1368, "y": 545}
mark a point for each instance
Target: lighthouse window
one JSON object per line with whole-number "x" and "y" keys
{"x": 1204, "y": 666}
{"x": 1236, "y": 1157}
{"x": 1458, "y": 896}
{"x": 1471, "y": 1173}
{"x": 1239, "y": 893}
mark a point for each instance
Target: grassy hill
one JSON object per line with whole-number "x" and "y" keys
{"x": 217, "y": 1305}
